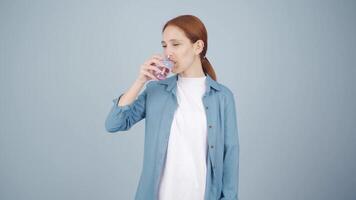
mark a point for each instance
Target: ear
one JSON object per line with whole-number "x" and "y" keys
{"x": 198, "y": 46}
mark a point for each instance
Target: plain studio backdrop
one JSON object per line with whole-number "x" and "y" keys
{"x": 290, "y": 64}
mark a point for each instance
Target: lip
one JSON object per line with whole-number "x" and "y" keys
{"x": 174, "y": 62}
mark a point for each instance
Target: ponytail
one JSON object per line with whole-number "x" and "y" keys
{"x": 208, "y": 68}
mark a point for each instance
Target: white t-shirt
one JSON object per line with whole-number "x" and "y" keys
{"x": 184, "y": 173}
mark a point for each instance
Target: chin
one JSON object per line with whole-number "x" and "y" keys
{"x": 174, "y": 70}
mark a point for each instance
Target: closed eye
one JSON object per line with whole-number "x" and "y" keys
{"x": 164, "y": 46}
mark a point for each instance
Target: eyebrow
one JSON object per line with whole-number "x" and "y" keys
{"x": 173, "y": 40}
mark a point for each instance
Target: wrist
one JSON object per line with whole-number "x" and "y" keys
{"x": 140, "y": 82}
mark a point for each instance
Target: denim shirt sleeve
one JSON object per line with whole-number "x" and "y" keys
{"x": 231, "y": 153}
{"x": 122, "y": 118}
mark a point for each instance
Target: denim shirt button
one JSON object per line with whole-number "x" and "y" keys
{"x": 210, "y": 126}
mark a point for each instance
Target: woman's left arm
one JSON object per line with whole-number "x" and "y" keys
{"x": 231, "y": 153}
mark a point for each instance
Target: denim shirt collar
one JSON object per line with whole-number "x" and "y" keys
{"x": 171, "y": 83}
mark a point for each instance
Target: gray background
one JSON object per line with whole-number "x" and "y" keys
{"x": 290, "y": 64}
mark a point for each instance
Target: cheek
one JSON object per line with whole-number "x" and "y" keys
{"x": 186, "y": 57}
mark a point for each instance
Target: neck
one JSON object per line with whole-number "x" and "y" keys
{"x": 195, "y": 70}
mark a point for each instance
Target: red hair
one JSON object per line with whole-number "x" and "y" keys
{"x": 194, "y": 30}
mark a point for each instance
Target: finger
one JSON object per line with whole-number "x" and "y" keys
{"x": 154, "y": 68}
{"x": 151, "y": 67}
{"x": 149, "y": 75}
{"x": 155, "y": 61}
{"x": 158, "y": 56}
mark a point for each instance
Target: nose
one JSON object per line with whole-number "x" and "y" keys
{"x": 168, "y": 53}
{"x": 169, "y": 56}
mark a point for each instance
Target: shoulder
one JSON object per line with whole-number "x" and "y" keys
{"x": 154, "y": 85}
{"x": 161, "y": 84}
{"x": 150, "y": 84}
{"x": 226, "y": 93}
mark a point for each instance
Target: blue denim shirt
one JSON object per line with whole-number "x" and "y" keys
{"x": 157, "y": 104}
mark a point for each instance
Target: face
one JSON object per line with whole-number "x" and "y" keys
{"x": 180, "y": 49}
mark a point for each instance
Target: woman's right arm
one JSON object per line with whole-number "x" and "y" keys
{"x": 130, "y": 107}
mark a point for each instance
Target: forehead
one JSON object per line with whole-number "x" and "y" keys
{"x": 172, "y": 33}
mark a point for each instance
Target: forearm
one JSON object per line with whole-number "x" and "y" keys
{"x": 231, "y": 173}
{"x": 131, "y": 94}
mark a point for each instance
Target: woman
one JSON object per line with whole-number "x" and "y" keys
{"x": 191, "y": 142}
